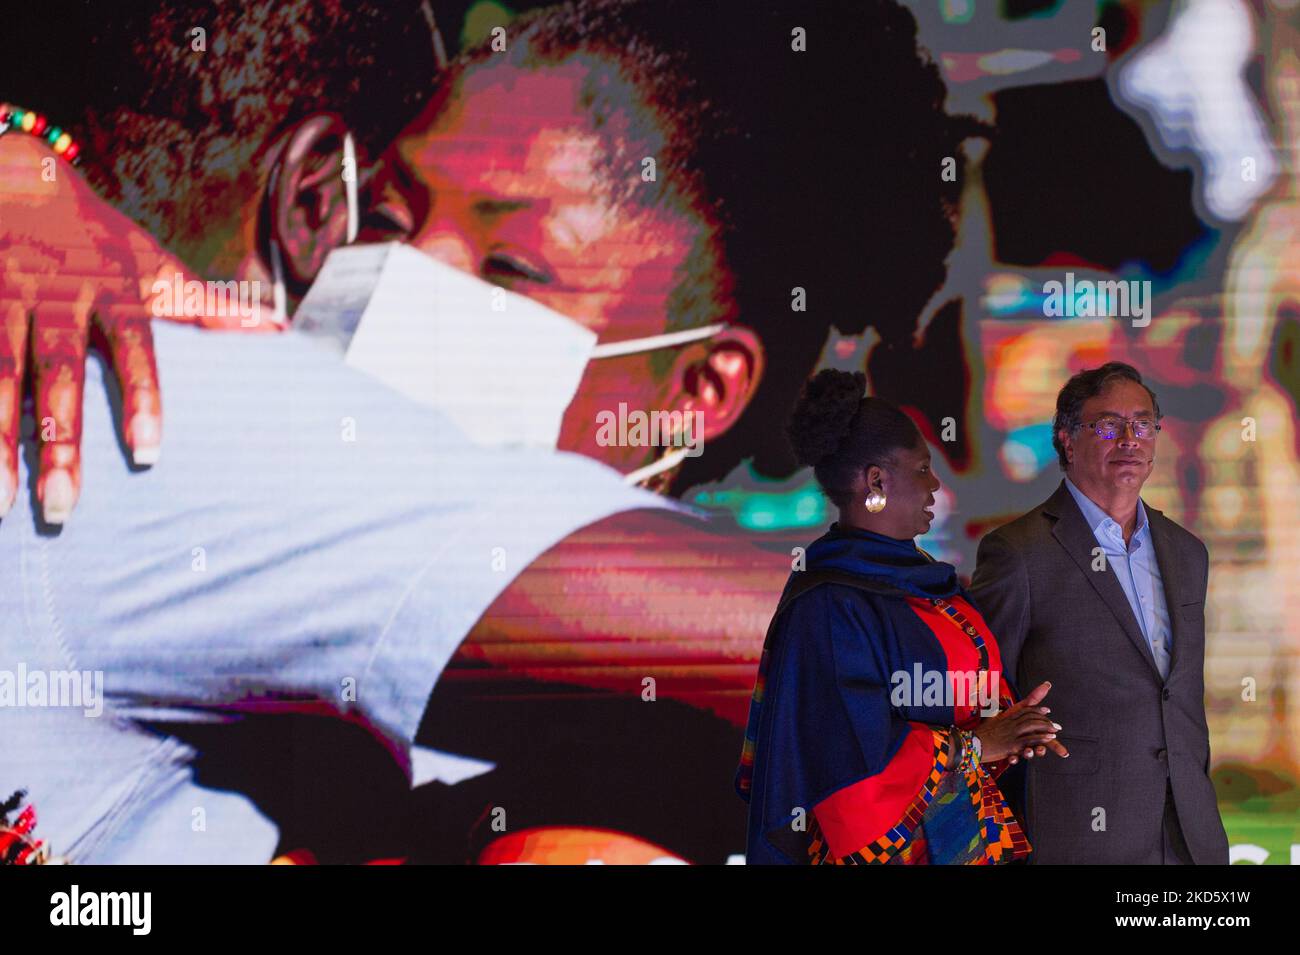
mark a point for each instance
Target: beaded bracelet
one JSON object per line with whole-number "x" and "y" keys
{"x": 14, "y": 117}
{"x": 968, "y": 757}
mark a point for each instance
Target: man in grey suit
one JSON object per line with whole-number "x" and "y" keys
{"x": 1105, "y": 597}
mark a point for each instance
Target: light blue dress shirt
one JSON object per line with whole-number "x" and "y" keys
{"x": 1137, "y": 570}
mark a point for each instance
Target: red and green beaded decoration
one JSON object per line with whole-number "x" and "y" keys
{"x": 14, "y": 117}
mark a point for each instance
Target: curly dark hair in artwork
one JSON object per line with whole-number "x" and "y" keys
{"x": 817, "y": 169}
{"x": 173, "y": 122}
{"x": 839, "y": 432}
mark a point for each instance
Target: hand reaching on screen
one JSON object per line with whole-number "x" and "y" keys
{"x": 73, "y": 267}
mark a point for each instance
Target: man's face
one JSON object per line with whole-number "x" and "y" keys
{"x": 507, "y": 179}
{"x": 1123, "y": 462}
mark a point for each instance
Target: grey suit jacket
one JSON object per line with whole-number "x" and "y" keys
{"x": 1127, "y": 730}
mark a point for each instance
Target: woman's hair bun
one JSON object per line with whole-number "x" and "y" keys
{"x": 824, "y": 414}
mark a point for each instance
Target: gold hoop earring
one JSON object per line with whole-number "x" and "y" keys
{"x": 875, "y": 502}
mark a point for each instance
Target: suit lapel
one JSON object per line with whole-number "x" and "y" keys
{"x": 1078, "y": 540}
{"x": 1174, "y": 577}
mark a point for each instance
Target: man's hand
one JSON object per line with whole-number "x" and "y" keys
{"x": 71, "y": 265}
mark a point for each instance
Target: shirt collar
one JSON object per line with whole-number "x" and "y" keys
{"x": 1097, "y": 518}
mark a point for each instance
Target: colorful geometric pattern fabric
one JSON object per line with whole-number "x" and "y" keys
{"x": 745, "y": 772}
{"x": 967, "y": 627}
{"x": 1004, "y": 839}
{"x": 892, "y": 842}
{"x": 958, "y": 818}
{"x": 971, "y": 629}
{"x": 836, "y": 734}
{"x": 998, "y": 836}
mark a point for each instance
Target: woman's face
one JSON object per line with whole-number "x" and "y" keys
{"x": 909, "y": 488}
{"x": 505, "y": 178}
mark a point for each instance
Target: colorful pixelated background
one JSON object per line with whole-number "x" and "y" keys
{"x": 1169, "y": 158}
{"x": 1162, "y": 149}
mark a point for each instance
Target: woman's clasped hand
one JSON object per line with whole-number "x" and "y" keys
{"x": 1021, "y": 730}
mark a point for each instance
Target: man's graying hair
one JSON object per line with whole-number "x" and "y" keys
{"x": 1088, "y": 384}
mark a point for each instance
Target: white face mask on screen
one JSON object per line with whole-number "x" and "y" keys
{"x": 502, "y": 367}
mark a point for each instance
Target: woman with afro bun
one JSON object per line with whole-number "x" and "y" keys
{"x": 880, "y": 718}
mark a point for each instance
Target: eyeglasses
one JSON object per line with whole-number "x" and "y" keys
{"x": 1110, "y": 426}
